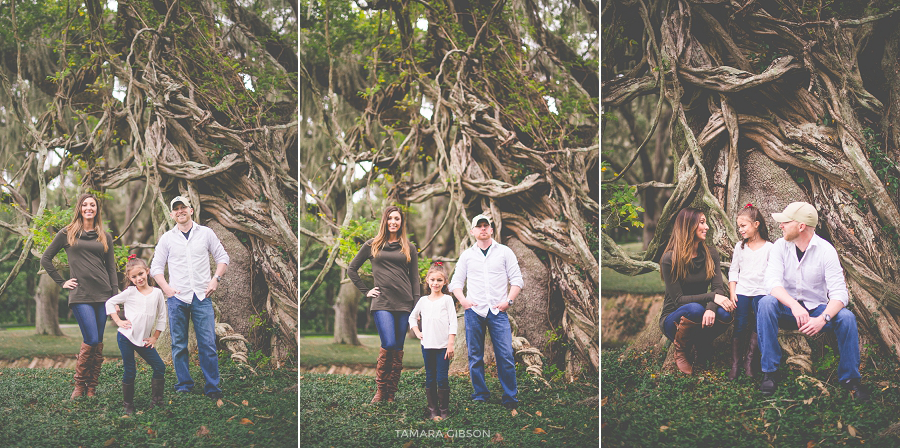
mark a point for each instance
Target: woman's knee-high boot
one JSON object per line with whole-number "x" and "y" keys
{"x": 382, "y": 372}
{"x": 394, "y": 380}
{"x": 82, "y": 370}
{"x": 684, "y": 339}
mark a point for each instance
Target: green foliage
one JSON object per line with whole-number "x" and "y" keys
{"x": 643, "y": 406}
{"x": 353, "y": 235}
{"x": 828, "y": 360}
{"x": 45, "y": 226}
{"x": 883, "y": 164}
{"x": 623, "y": 209}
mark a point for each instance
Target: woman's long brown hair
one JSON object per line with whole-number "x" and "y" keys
{"x": 74, "y": 229}
{"x": 384, "y": 234}
{"x": 683, "y": 241}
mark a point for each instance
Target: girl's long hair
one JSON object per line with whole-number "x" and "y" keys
{"x": 74, "y": 229}
{"x": 683, "y": 241}
{"x": 438, "y": 267}
{"x": 753, "y": 214}
{"x": 134, "y": 262}
{"x": 384, "y": 234}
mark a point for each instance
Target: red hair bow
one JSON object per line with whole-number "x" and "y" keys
{"x": 438, "y": 263}
{"x": 748, "y": 205}
{"x": 132, "y": 257}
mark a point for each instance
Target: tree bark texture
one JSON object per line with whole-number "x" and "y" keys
{"x": 46, "y": 317}
{"x": 346, "y": 305}
{"x": 809, "y": 119}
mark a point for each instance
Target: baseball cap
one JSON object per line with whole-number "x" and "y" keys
{"x": 479, "y": 218}
{"x": 800, "y": 212}
{"x": 178, "y": 199}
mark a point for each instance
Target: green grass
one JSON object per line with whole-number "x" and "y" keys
{"x": 642, "y": 406}
{"x": 35, "y": 410}
{"x": 335, "y": 412}
{"x": 649, "y": 283}
{"x": 318, "y": 350}
{"x": 23, "y": 342}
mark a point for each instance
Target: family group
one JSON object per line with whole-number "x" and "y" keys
{"x": 489, "y": 271}
{"x": 795, "y": 283}
{"x": 93, "y": 285}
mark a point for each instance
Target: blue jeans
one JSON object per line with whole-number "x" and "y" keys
{"x": 694, "y": 312}
{"x": 743, "y": 318}
{"x": 501, "y": 337}
{"x": 772, "y": 315}
{"x": 201, "y": 313}
{"x": 392, "y": 327}
{"x": 149, "y": 354}
{"x": 436, "y": 366}
{"x": 91, "y": 318}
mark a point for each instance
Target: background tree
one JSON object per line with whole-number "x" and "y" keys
{"x": 771, "y": 102}
{"x": 453, "y": 108}
{"x": 155, "y": 99}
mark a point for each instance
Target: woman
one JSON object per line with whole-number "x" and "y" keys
{"x": 692, "y": 314}
{"x": 92, "y": 268}
{"x": 395, "y": 268}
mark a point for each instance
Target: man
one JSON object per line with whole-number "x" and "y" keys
{"x": 807, "y": 292}
{"x": 488, "y": 269}
{"x": 186, "y": 249}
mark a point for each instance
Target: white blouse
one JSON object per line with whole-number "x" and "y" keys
{"x": 146, "y": 313}
{"x": 438, "y": 320}
{"x": 748, "y": 269}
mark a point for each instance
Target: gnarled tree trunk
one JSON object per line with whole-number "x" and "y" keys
{"x": 46, "y": 316}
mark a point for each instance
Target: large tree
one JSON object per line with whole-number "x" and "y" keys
{"x": 510, "y": 89}
{"x": 160, "y": 98}
{"x": 771, "y": 102}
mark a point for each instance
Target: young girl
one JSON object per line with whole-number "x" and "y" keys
{"x": 745, "y": 278}
{"x": 695, "y": 309}
{"x": 437, "y": 334}
{"x": 145, "y": 312}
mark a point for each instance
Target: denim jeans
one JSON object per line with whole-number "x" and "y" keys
{"x": 436, "y": 367}
{"x": 501, "y": 337}
{"x": 91, "y": 318}
{"x": 392, "y": 327}
{"x": 745, "y": 313}
{"x": 694, "y": 312}
{"x": 149, "y": 354}
{"x": 772, "y": 315}
{"x": 201, "y": 313}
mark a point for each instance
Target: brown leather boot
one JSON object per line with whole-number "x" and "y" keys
{"x": 684, "y": 335}
{"x": 444, "y": 402}
{"x": 96, "y": 363}
{"x": 81, "y": 370}
{"x": 128, "y": 397}
{"x": 382, "y": 372}
{"x": 393, "y": 382}
{"x": 156, "y": 392}
{"x": 735, "y": 358}
{"x": 431, "y": 412}
{"x": 751, "y": 352}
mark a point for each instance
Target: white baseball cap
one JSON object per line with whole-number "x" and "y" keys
{"x": 798, "y": 211}
{"x": 178, "y": 199}
{"x": 480, "y": 218}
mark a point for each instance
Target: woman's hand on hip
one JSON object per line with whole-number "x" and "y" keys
{"x": 70, "y": 284}
{"x": 374, "y": 292}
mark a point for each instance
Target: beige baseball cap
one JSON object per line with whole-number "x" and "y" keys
{"x": 178, "y": 199}
{"x": 479, "y": 218}
{"x": 798, "y": 211}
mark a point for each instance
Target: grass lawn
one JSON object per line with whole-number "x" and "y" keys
{"x": 318, "y": 350}
{"x": 23, "y": 342}
{"x": 642, "y": 406}
{"x": 336, "y": 412}
{"x": 257, "y": 410}
{"x": 649, "y": 283}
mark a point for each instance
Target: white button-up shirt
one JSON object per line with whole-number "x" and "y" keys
{"x": 487, "y": 277}
{"x": 146, "y": 313}
{"x": 188, "y": 260}
{"x": 812, "y": 281}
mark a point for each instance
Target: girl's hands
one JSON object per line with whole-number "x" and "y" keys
{"x": 374, "y": 292}
{"x": 709, "y": 318}
{"x": 449, "y": 353}
{"x": 124, "y": 323}
{"x": 724, "y": 302}
{"x": 150, "y": 342}
{"x": 70, "y": 284}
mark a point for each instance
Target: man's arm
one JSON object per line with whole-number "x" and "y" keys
{"x": 158, "y": 266}
{"x": 459, "y": 280}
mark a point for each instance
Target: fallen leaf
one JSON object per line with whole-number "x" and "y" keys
{"x": 231, "y": 418}
{"x": 514, "y": 413}
{"x": 220, "y": 403}
{"x": 808, "y": 400}
{"x": 538, "y": 413}
{"x": 301, "y": 377}
{"x": 246, "y": 421}
{"x": 150, "y": 431}
{"x": 250, "y": 432}
{"x": 538, "y": 431}
{"x": 603, "y": 401}
{"x": 663, "y": 428}
{"x": 497, "y": 438}
{"x": 203, "y": 432}
{"x": 109, "y": 442}
{"x": 408, "y": 444}
{"x": 810, "y": 444}
{"x": 851, "y": 430}
{"x": 245, "y": 403}
{"x": 839, "y": 425}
